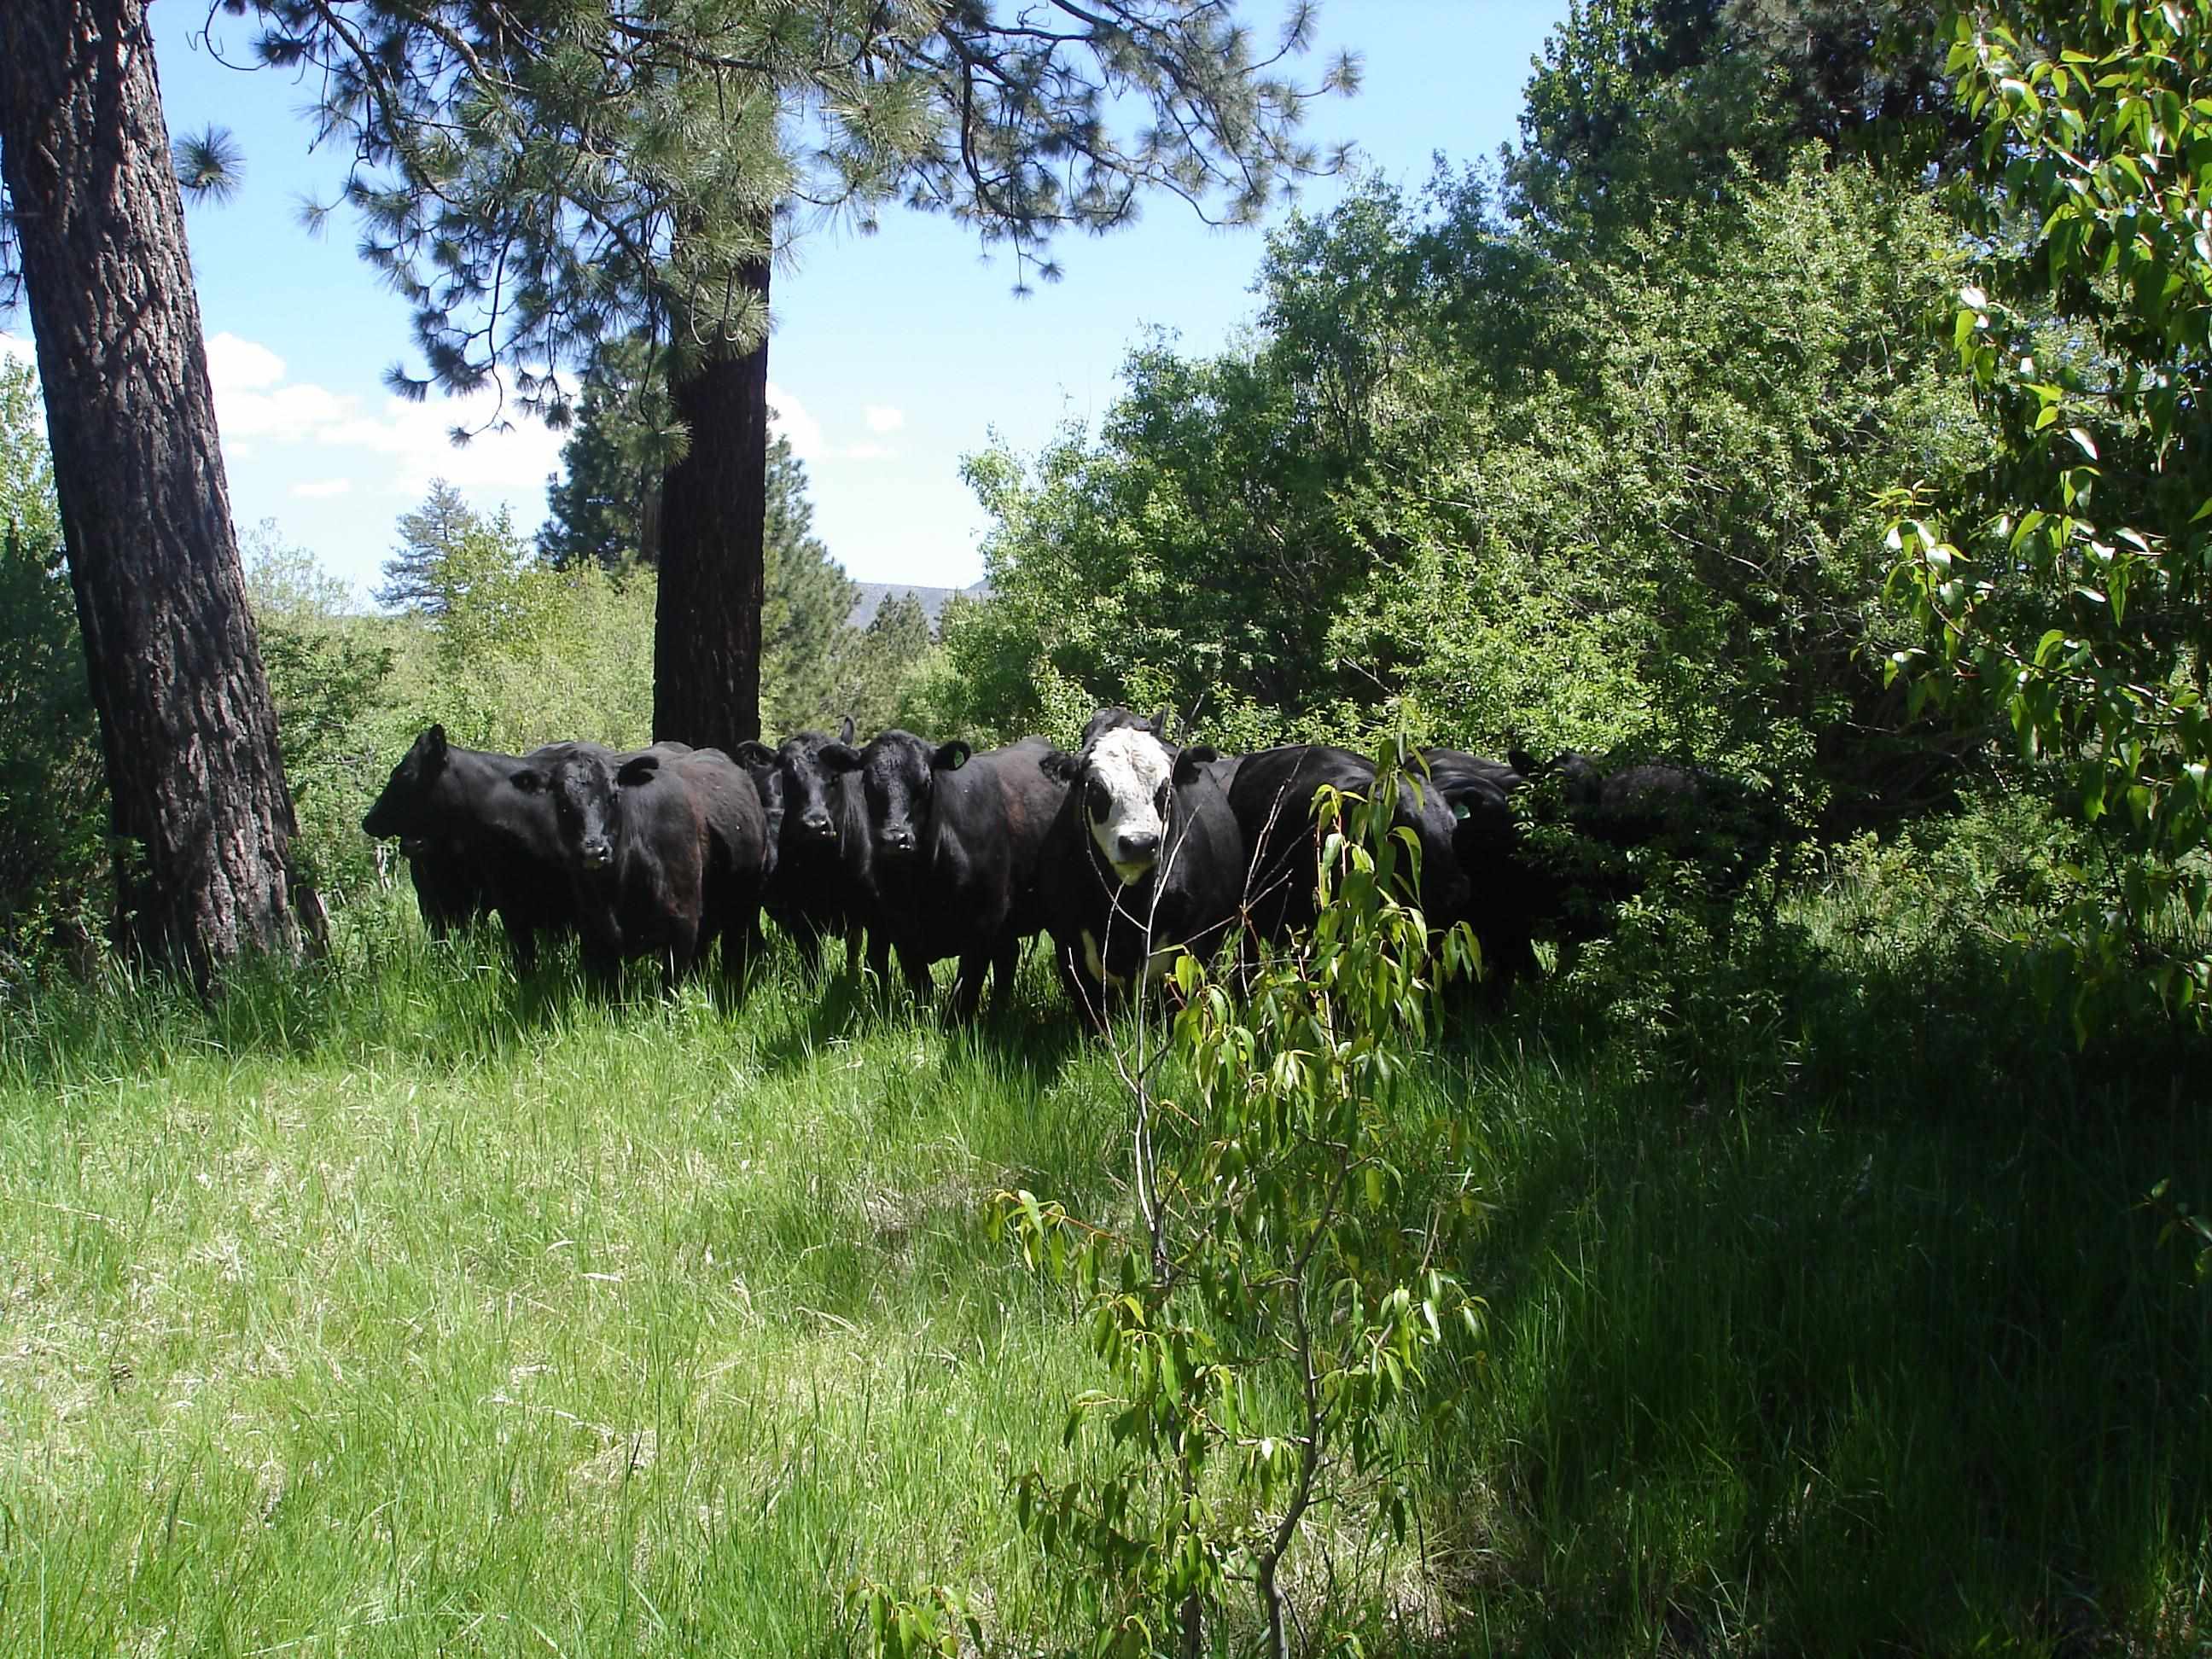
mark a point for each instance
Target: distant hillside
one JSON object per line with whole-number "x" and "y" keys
{"x": 872, "y": 595}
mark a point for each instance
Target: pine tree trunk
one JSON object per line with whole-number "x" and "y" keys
{"x": 189, "y": 731}
{"x": 713, "y": 527}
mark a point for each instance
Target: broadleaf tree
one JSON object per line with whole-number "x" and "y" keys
{"x": 203, "y": 821}
{"x": 2078, "y": 607}
{"x": 540, "y": 182}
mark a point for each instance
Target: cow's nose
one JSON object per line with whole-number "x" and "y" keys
{"x": 596, "y": 853}
{"x": 1141, "y": 845}
{"x": 817, "y": 824}
{"x": 898, "y": 841}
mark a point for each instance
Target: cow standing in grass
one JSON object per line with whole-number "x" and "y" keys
{"x": 479, "y": 836}
{"x": 953, "y": 844}
{"x": 663, "y": 852}
{"x": 1272, "y": 796}
{"x": 818, "y": 860}
{"x": 1143, "y": 861}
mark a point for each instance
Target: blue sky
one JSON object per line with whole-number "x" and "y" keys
{"x": 893, "y": 356}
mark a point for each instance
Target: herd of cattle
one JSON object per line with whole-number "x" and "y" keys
{"x": 1127, "y": 850}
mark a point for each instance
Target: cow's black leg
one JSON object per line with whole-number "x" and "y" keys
{"x": 521, "y": 945}
{"x": 1006, "y": 962}
{"x": 917, "y": 975}
{"x": 967, "y": 984}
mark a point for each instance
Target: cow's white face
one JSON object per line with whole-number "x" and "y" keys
{"x": 1125, "y": 799}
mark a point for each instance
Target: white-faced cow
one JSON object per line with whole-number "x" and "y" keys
{"x": 1144, "y": 859}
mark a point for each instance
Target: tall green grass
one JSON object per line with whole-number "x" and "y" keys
{"x": 392, "y": 1307}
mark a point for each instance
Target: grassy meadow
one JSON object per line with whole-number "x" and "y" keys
{"x": 392, "y": 1307}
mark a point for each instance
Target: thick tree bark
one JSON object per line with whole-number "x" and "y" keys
{"x": 713, "y": 528}
{"x": 190, "y": 734}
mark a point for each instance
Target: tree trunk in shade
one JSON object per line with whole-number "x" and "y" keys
{"x": 203, "y": 819}
{"x": 712, "y": 530}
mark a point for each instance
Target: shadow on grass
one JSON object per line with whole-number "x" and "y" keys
{"x": 1828, "y": 1318}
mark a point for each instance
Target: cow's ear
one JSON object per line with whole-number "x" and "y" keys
{"x": 638, "y": 770}
{"x": 1189, "y": 758}
{"x": 753, "y": 752}
{"x": 528, "y": 780}
{"x": 1160, "y": 723}
{"x": 845, "y": 731}
{"x": 840, "y": 756}
{"x": 1059, "y": 765}
{"x": 432, "y": 742}
{"x": 950, "y": 756}
{"x": 1525, "y": 764}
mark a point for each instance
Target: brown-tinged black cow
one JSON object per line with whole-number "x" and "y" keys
{"x": 663, "y": 852}
{"x": 480, "y": 836}
{"x": 1144, "y": 859}
{"x": 953, "y": 842}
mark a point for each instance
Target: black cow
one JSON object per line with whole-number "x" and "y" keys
{"x": 482, "y": 834}
{"x": 1143, "y": 860}
{"x": 1271, "y": 797}
{"x": 818, "y": 858}
{"x": 953, "y": 842}
{"x": 1510, "y": 893}
{"x": 665, "y": 850}
{"x": 449, "y": 889}
{"x": 1723, "y": 825}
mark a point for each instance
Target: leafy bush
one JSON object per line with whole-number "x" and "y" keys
{"x": 1270, "y": 1313}
{"x": 326, "y": 672}
{"x": 2075, "y": 607}
{"x": 1623, "y": 500}
{"x": 53, "y": 790}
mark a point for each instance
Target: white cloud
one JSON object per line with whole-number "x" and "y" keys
{"x": 398, "y": 448}
{"x": 415, "y": 439}
{"x": 787, "y": 418}
{"x": 236, "y": 365}
{"x": 290, "y": 413}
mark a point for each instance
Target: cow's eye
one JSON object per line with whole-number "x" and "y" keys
{"x": 1100, "y": 797}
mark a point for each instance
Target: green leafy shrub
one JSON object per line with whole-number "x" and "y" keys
{"x": 1270, "y": 1311}
{"x": 54, "y": 878}
{"x": 2076, "y": 608}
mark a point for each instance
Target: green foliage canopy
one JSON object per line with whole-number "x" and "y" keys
{"x": 2078, "y": 609}
{"x": 1623, "y": 499}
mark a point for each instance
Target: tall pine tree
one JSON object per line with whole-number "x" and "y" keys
{"x": 602, "y": 509}
{"x": 413, "y": 576}
{"x": 541, "y": 181}
{"x": 203, "y": 819}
